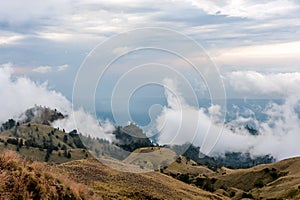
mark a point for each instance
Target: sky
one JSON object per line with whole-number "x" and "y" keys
{"x": 48, "y": 41}
{"x": 131, "y": 54}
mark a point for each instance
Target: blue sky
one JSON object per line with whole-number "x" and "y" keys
{"x": 49, "y": 40}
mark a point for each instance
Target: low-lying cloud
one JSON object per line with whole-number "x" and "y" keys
{"x": 87, "y": 124}
{"x": 179, "y": 123}
{"x": 20, "y": 93}
{"x": 278, "y": 136}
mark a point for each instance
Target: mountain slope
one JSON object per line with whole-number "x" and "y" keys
{"x": 279, "y": 180}
{"x": 152, "y": 158}
{"x": 113, "y": 184}
{"x": 43, "y": 143}
{"x": 21, "y": 179}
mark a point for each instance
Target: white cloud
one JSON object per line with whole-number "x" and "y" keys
{"x": 53, "y": 35}
{"x": 42, "y": 69}
{"x": 47, "y": 69}
{"x": 279, "y": 135}
{"x": 20, "y": 94}
{"x": 91, "y": 21}
{"x": 248, "y": 8}
{"x": 277, "y": 55}
{"x": 62, "y": 67}
{"x": 17, "y": 12}
{"x": 290, "y": 49}
{"x": 251, "y": 82}
{"x": 8, "y": 38}
{"x": 86, "y": 124}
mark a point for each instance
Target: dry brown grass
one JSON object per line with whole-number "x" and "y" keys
{"x": 21, "y": 179}
{"x": 186, "y": 166}
{"x": 279, "y": 180}
{"x": 152, "y": 158}
{"x": 113, "y": 184}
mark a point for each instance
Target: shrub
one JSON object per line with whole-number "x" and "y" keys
{"x": 69, "y": 154}
{"x": 247, "y": 195}
{"x": 184, "y": 178}
{"x": 232, "y": 194}
{"x": 13, "y": 141}
{"x": 178, "y": 160}
{"x": 9, "y": 124}
{"x": 266, "y": 170}
{"x": 259, "y": 184}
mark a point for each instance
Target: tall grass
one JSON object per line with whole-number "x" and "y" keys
{"x": 23, "y": 179}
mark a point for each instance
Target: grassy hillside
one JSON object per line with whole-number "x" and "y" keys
{"x": 152, "y": 158}
{"x": 113, "y": 184}
{"x": 279, "y": 180}
{"x": 182, "y": 165}
{"x": 41, "y": 142}
{"x": 71, "y": 172}
{"x": 87, "y": 179}
{"x": 21, "y": 179}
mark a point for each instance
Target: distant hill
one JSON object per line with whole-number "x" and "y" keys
{"x": 37, "y": 115}
{"x": 233, "y": 160}
{"x": 131, "y": 137}
{"x": 43, "y": 143}
{"x": 41, "y": 115}
{"x": 152, "y": 158}
{"x": 279, "y": 180}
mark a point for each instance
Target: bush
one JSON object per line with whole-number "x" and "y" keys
{"x": 224, "y": 187}
{"x": 69, "y": 154}
{"x": 178, "y": 160}
{"x": 9, "y": 124}
{"x": 232, "y": 194}
{"x": 13, "y": 141}
{"x": 259, "y": 184}
{"x": 47, "y": 156}
{"x": 274, "y": 175}
{"x": 205, "y": 183}
{"x": 266, "y": 170}
{"x": 184, "y": 178}
{"x": 247, "y": 195}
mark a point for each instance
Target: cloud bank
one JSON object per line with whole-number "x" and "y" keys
{"x": 287, "y": 84}
{"x": 278, "y": 136}
{"x": 179, "y": 122}
{"x": 20, "y": 93}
